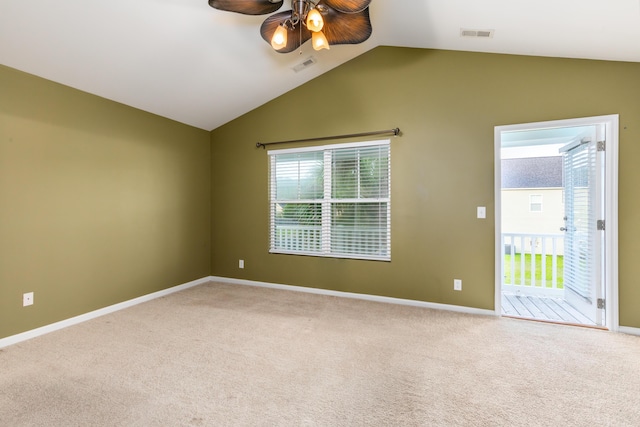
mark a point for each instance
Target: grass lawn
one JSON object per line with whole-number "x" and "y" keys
{"x": 548, "y": 279}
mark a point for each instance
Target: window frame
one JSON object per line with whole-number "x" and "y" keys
{"x": 327, "y": 201}
{"x": 532, "y": 203}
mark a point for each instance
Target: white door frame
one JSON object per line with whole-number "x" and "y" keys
{"x": 611, "y": 206}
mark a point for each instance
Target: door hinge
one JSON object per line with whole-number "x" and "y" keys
{"x": 601, "y": 302}
{"x": 600, "y": 225}
{"x": 602, "y": 145}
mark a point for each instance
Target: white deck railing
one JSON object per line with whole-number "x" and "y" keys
{"x": 533, "y": 263}
{"x": 305, "y": 238}
{"x": 345, "y": 240}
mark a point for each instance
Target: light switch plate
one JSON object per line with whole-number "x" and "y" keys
{"x": 482, "y": 212}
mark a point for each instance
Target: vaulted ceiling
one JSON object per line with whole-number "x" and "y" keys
{"x": 186, "y": 61}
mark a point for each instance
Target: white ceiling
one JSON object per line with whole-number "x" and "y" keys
{"x": 184, "y": 60}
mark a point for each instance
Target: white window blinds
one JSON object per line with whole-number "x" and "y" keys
{"x": 580, "y": 210}
{"x": 331, "y": 201}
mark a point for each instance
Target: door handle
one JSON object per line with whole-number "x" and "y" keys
{"x": 563, "y": 229}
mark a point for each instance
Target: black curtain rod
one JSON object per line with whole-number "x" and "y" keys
{"x": 394, "y": 132}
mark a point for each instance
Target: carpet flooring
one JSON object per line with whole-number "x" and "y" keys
{"x": 231, "y": 355}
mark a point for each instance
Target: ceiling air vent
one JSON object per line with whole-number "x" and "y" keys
{"x": 305, "y": 64}
{"x": 479, "y": 34}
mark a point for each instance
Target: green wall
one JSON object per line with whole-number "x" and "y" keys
{"x": 446, "y": 104}
{"x": 99, "y": 202}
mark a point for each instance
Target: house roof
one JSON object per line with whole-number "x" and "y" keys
{"x": 184, "y": 60}
{"x": 532, "y": 172}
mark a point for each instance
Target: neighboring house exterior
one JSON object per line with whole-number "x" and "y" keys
{"x": 532, "y": 196}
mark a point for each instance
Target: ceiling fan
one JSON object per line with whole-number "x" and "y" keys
{"x": 325, "y": 22}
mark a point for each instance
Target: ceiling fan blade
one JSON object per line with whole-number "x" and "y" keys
{"x": 346, "y": 28}
{"x": 247, "y": 7}
{"x": 295, "y": 37}
{"x": 348, "y": 6}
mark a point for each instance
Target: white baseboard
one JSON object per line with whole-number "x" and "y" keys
{"x": 14, "y": 339}
{"x": 629, "y": 330}
{"x": 366, "y": 297}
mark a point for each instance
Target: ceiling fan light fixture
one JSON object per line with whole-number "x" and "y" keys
{"x": 314, "y": 20}
{"x": 319, "y": 41}
{"x": 279, "y": 39}
{"x": 325, "y": 22}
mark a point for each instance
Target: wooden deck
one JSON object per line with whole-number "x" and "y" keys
{"x": 541, "y": 308}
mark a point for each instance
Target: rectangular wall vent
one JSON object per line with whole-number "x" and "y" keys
{"x": 481, "y": 34}
{"x": 305, "y": 64}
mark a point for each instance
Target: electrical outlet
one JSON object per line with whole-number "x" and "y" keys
{"x": 241, "y": 263}
{"x": 27, "y": 299}
{"x": 457, "y": 284}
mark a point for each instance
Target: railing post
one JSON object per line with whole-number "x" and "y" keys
{"x": 522, "y": 262}
{"x": 554, "y": 265}
{"x": 543, "y": 262}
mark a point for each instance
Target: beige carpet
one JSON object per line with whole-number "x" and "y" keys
{"x": 227, "y": 355}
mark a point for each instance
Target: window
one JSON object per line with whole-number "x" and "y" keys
{"x": 331, "y": 201}
{"x": 535, "y": 202}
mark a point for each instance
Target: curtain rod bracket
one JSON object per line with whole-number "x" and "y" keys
{"x": 394, "y": 132}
